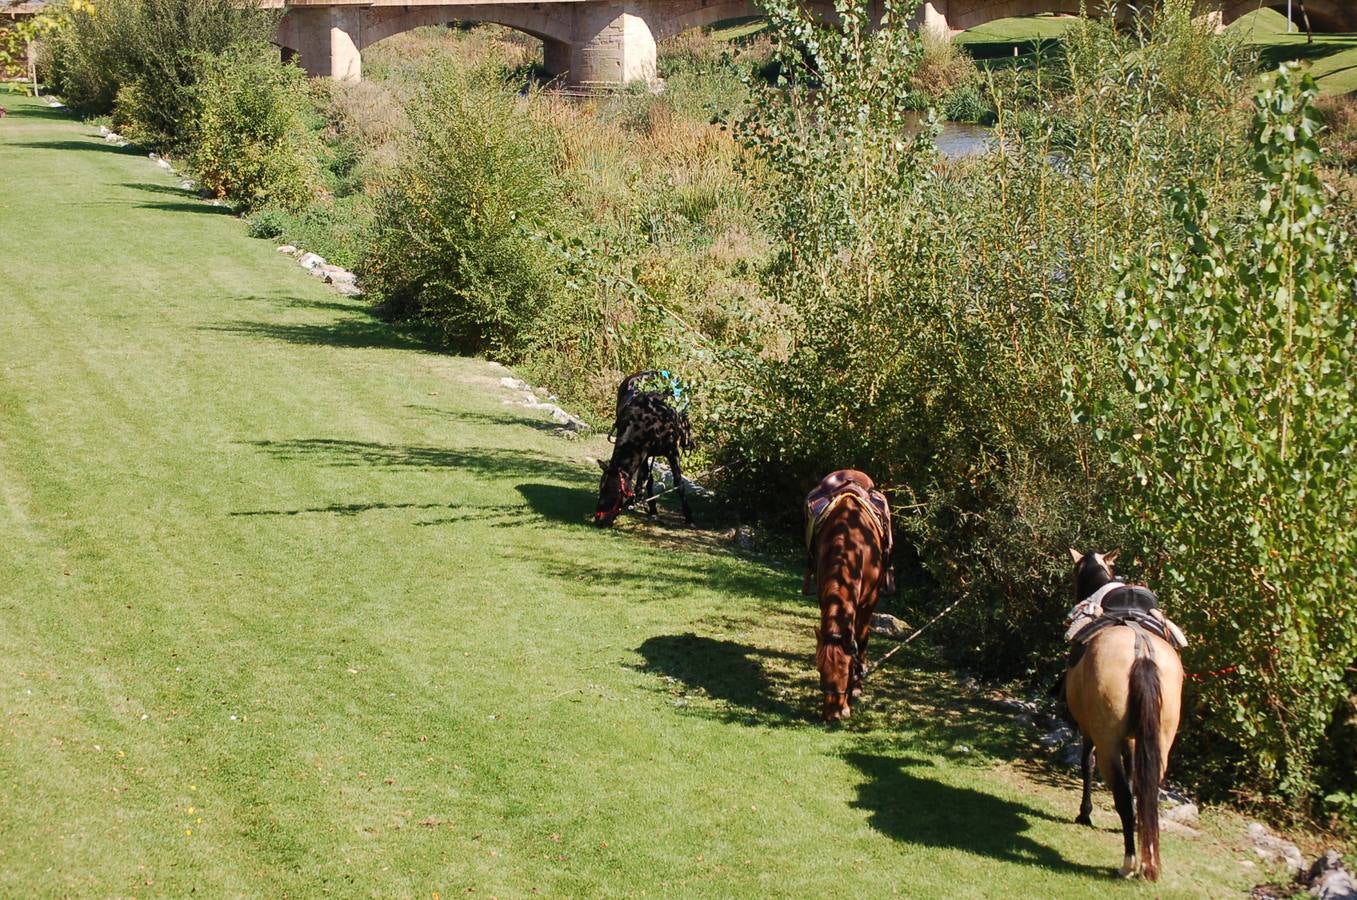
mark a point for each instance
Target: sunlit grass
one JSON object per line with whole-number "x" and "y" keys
{"x": 293, "y": 606}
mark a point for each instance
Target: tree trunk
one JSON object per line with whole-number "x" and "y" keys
{"x": 1305, "y": 17}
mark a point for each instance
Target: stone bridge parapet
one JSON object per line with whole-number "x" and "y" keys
{"x": 612, "y": 42}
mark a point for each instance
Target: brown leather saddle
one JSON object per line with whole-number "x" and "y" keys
{"x": 848, "y": 486}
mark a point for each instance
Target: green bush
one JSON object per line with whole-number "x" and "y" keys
{"x": 249, "y": 140}
{"x": 1237, "y": 353}
{"x": 461, "y": 233}
{"x": 138, "y": 58}
{"x": 965, "y": 104}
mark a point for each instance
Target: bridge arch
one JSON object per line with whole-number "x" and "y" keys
{"x": 1325, "y": 15}
{"x": 534, "y": 20}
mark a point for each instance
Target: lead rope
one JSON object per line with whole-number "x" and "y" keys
{"x": 670, "y": 490}
{"x": 897, "y": 648}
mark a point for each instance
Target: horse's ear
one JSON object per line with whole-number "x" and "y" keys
{"x": 1110, "y": 558}
{"x": 1076, "y": 555}
{"x": 601, "y": 464}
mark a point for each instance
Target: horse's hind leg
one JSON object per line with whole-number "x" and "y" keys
{"x": 1085, "y": 816}
{"x": 678, "y": 483}
{"x": 649, "y": 479}
{"x": 1116, "y": 775}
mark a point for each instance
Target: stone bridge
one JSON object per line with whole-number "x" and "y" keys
{"x": 609, "y": 42}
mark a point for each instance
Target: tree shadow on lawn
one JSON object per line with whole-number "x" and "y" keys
{"x": 506, "y": 420}
{"x": 909, "y": 805}
{"x": 42, "y": 111}
{"x": 497, "y": 515}
{"x": 352, "y": 332}
{"x": 1273, "y": 55}
{"x": 90, "y": 144}
{"x": 487, "y": 461}
{"x": 149, "y": 188}
{"x": 189, "y": 206}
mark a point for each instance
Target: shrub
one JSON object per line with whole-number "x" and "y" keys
{"x": 250, "y": 139}
{"x": 460, "y": 237}
{"x": 266, "y": 223}
{"x": 1238, "y": 354}
{"x": 943, "y": 67}
{"x": 923, "y": 315}
{"x": 965, "y": 103}
{"x": 138, "y": 58}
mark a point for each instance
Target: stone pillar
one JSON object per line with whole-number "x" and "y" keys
{"x": 326, "y": 39}
{"x": 1215, "y": 19}
{"x": 932, "y": 17}
{"x": 613, "y": 45}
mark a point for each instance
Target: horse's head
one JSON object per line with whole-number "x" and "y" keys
{"x": 836, "y": 658}
{"x": 1091, "y": 571}
{"x": 615, "y": 491}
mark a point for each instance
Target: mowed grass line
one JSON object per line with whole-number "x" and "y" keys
{"x": 289, "y": 605}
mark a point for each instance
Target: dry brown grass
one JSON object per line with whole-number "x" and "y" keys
{"x": 943, "y": 67}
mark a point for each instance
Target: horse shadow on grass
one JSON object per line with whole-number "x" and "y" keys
{"x": 911, "y": 696}
{"x": 747, "y": 679}
{"x": 907, "y": 802}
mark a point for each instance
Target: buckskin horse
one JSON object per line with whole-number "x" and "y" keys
{"x": 646, "y": 427}
{"x": 848, "y": 545}
{"x": 1124, "y": 690}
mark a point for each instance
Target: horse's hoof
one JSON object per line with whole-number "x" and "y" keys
{"x": 1130, "y": 866}
{"x": 1084, "y": 819}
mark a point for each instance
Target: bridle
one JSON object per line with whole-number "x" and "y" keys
{"x": 849, "y": 643}
{"x": 625, "y": 495}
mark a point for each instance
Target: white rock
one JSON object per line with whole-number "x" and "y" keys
{"x": 338, "y": 275}
{"x": 1329, "y": 880}
{"x": 1273, "y": 850}
{"x": 311, "y": 261}
{"x": 287, "y": 248}
{"x": 349, "y": 290}
{"x": 186, "y": 185}
{"x": 163, "y": 163}
{"x": 113, "y": 137}
{"x": 153, "y": 155}
{"x": 1183, "y": 813}
{"x": 889, "y": 625}
{"x": 103, "y": 129}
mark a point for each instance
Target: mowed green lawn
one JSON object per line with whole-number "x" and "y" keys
{"x": 290, "y": 606}
{"x": 1331, "y": 58}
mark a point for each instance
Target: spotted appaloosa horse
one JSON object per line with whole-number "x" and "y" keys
{"x": 848, "y": 543}
{"x": 1125, "y": 694}
{"x": 646, "y": 427}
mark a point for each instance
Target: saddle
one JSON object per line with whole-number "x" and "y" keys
{"x": 1115, "y": 604}
{"x": 847, "y": 486}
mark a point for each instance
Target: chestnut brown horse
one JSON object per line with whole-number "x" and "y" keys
{"x": 848, "y": 545}
{"x": 1125, "y": 693}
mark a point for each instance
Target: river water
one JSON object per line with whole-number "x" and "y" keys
{"x": 959, "y": 140}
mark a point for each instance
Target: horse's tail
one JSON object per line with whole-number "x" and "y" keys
{"x": 1145, "y": 702}
{"x": 685, "y": 431}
